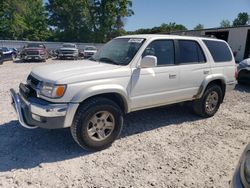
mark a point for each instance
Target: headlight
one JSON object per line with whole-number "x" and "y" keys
{"x": 41, "y": 52}
{"x": 51, "y": 90}
{"x": 247, "y": 167}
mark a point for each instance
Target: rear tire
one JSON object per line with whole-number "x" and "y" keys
{"x": 210, "y": 101}
{"x": 97, "y": 124}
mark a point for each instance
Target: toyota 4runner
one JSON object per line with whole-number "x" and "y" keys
{"x": 127, "y": 74}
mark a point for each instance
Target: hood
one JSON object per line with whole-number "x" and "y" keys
{"x": 245, "y": 62}
{"x": 72, "y": 72}
{"x": 34, "y": 49}
{"x": 68, "y": 49}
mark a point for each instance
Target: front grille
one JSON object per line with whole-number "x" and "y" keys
{"x": 32, "y": 52}
{"x": 68, "y": 51}
{"x": 32, "y": 81}
{"x": 27, "y": 91}
{"x": 89, "y": 53}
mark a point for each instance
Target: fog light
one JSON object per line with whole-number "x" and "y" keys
{"x": 37, "y": 117}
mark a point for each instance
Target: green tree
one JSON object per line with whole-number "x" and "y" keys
{"x": 242, "y": 19}
{"x": 225, "y": 23}
{"x": 69, "y": 19}
{"x": 164, "y": 28}
{"x": 36, "y": 21}
{"x": 199, "y": 27}
{"x": 23, "y": 20}
{"x": 107, "y": 17}
{"x": 88, "y": 20}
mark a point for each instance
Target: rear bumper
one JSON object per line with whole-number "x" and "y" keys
{"x": 35, "y": 113}
{"x": 231, "y": 86}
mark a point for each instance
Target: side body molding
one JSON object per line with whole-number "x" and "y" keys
{"x": 86, "y": 93}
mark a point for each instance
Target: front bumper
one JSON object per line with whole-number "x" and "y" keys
{"x": 34, "y": 112}
{"x": 68, "y": 55}
{"x": 244, "y": 75}
{"x": 236, "y": 181}
{"x": 34, "y": 57}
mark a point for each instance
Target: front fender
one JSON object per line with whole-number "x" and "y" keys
{"x": 86, "y": 93}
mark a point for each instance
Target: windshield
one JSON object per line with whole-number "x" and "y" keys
{"x": 68, "y": 45}
{"x": 90, "y": 48}
{"x": 119, "y": 51}
{"x": 34, "y": 45}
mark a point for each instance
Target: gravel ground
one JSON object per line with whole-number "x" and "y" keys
{"x": 162, "y": 147}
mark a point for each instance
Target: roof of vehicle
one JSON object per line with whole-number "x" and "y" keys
{"x": 93, "y": 47}
{"x": 90, "y": 47}
{"x": 34, "y": 43}
{"x": 151, "y": 36}
{"x": 68, "y": 44}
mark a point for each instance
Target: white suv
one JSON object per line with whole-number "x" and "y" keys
{"x": 127, "y": 74}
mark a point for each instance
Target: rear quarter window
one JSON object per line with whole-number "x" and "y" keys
{"x": 219, "y": 51}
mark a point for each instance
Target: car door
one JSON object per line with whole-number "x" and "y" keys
{"x": 158, "y": 85}
{"x": 193, "y": 67}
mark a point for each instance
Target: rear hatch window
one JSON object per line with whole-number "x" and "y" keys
{"x": 219, "y": 51}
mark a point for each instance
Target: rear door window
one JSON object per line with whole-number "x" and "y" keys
{"x": 190, "y": 52}
{"x": 219, "y": 51}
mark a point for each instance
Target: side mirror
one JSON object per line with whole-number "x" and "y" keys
{"x": 148, "y": 61}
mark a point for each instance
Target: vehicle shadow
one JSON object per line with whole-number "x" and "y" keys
{"x": 17, "y": 61}
{"x": 20, "y": 61}
{"x": 22, "y": 148}
{"x": 243, "y": 88}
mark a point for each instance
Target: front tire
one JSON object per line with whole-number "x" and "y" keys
{"x": 97, "y": 123}
{"x": 210, "y": 101}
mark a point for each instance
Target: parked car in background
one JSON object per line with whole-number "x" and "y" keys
{"x": 34, "y": 52}
{"x": 89, "y": 51}
{"x": 127, "y": 74}
{"x": 8, "y": 54}
{"x": 15, "y": 52}
{"x": 81, "y": 54}
{"x": 241, "y": 178}
{"x": 68, "y": 51}
{"x": 53, "y": 53}
{"x": 1, "y": 57}
{"x": 244, "y": 71}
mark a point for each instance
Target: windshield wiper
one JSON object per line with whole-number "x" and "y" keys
{"x": 108, "y": 60}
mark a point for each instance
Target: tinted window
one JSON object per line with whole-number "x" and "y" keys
{"x": 35, "y": 45}
{"x": 190, "y": 52}
{"x": 219, "y": 50}
{"x": 163, "y": 50}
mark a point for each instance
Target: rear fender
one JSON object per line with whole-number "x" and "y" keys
{"x": 207, "y": 81}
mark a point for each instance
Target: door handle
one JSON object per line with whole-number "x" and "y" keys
{"x": 205, "y": 71}
{"x": 172, "y": 76}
